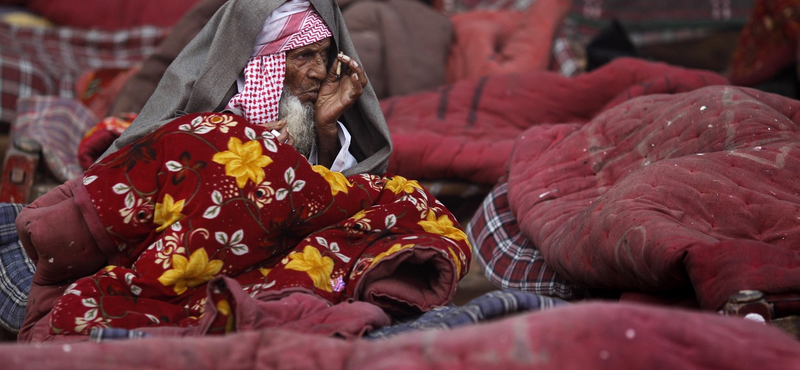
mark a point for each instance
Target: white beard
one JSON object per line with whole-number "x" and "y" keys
{"x": 299, "y": 120}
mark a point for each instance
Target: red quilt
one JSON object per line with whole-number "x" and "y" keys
{"x": 662, "y": 192}
{"x": 582, "y": 336}
{"x": 467, "y": 130}
{"x": 210, "y": 195}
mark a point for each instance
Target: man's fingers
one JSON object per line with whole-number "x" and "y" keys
{"x": 283, "y": 136}
{"x": 359, "y": 76}
{"x": 275, "y": 125}
{"x": 289, "y": 138}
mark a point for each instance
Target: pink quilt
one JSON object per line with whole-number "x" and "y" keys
{"x": 467, "y": 130}
{"x": 581, "y": 336}
{"x": 697, "y": 189}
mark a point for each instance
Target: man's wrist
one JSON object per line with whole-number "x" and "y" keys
{"x": 327, "y": 143}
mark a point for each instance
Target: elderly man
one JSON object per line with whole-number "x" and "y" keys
{"x": 210, "y": 74}
{"x": 296, "y": 75}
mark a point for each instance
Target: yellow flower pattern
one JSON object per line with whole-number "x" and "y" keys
{"x": 224, "y": 308}
{"x": 361, "y": 214}
{"x": 204, "y": 195}
{"x": 190, "y": 273}
{"x": 317, "y": 266}
{"x": 224, "y": 122}
{"x": 243, "y": 161}
{"x": 168, "y": 212}
{"x": 400, "y": 184}
{"x": 442, "y": 226}
{"x": 337, "y": 180}
{"x": 456, "y": 261}
{"x": 359, "y": 221}
{"x": 392, "y": 250}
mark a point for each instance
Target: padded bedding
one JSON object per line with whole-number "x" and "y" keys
{"x": 580, "y": 336}
{"x": 377, "y": 239}
{"x": 663, "y": 192}
{"x": 467, "y": 130}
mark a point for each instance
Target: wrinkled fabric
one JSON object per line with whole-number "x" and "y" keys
{"x": 230, "y": 200}
{"x": 579, "y": 336}
{"x": 298, "y": 312}
{"x": 696, "y": 190}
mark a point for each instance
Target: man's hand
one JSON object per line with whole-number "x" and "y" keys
{"x": 283, "y": 134}
{"x": 336, "y": 94}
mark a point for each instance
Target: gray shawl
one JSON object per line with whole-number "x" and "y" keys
{"x": 203, "y": 78}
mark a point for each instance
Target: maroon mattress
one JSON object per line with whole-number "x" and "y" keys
{"x": 694, "y": 190}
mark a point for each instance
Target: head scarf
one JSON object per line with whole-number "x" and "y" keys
{"x": 294, "y": 24}
{"x": 203, "y": 78}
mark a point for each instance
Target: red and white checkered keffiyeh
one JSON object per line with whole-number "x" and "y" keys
{"x": 292, "y": 25}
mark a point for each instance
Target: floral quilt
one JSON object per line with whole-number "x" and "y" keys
{"x": 212, "y": 195}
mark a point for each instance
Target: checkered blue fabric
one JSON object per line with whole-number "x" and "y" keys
{"x": 99, "y": 335}
{"x": 16, "y": 270}
{"x": 487, "y": 307}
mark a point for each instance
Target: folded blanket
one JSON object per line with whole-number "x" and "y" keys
{"x": 665, "y": 192}
{"x": 229, "y": 200}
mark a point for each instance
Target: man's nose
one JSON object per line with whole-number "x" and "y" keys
{"x": 318, "y": 68}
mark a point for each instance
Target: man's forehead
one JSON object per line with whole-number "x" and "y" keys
{"x": 293, "y": 25}
{"x": 319, "y": 45}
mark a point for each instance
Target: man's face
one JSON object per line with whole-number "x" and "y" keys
{"x": 306, "y": 67}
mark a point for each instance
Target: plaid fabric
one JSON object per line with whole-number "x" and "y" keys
{"x": 451, "y": 7}
{"x": 16, "y": 270}
{"x": 48, "y": 61}
{"x": 489, "y": 306}
{"x": 98, "y": 335}
{"x": 572, "y": 38}
{"x": 643, "y": 15}
{"x": 58, "y": 124}
{"x": 508, "y": 259}
{"x": 647, "y": 23}
{"x": 569, "y": 50}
